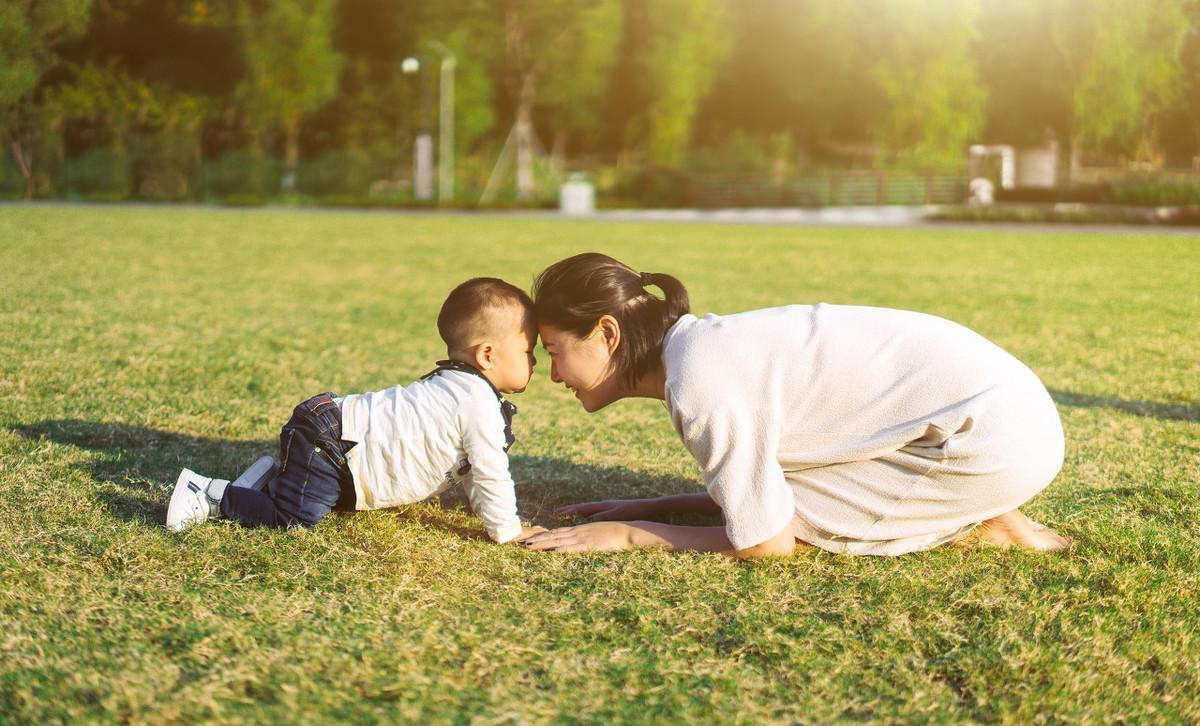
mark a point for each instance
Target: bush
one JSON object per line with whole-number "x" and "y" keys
{"x": 243, "y": 178}
{"x": 656, "y": 186}
{"x": 1130, "y": 192}
{"x": 99, "y": 175}
{"x": 743, "y": 153}
{"x": 1156, "y": 193}
{"x": 1091, "y": 194}
{"x": 166, "y": 166}
{"x": 342, "y": 175}
{"x": 12, "y": 184}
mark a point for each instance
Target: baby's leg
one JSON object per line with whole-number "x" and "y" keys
{"x": 312, "y": 479}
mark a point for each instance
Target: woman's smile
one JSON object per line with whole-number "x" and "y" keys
{"x": 581, "y": 365}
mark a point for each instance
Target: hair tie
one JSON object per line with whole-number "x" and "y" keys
{"x": 646, "y": 278}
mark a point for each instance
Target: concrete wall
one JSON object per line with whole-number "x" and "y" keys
{"x": 1037, "y": 166}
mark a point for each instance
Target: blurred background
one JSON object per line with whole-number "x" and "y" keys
{"x": 656, "y": 103}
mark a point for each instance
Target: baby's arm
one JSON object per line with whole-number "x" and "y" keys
{"x": 490, "y": 485}
{"x": 495, "y": 502}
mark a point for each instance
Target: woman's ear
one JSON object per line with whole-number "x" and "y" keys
{"x": 611, "y": 330}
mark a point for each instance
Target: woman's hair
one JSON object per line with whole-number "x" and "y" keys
{"x": 572, "y": 294}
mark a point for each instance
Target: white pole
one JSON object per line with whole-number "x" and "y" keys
{"x": 445, "y": 124}
{"x": 446, "y": 134}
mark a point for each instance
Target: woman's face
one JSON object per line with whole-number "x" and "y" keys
{"x": 584, "y": 365}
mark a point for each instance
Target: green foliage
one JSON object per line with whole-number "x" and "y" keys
{"x": 474, "y": 95}
{"x": 102, "y": 175}
{"x": 291, "y": 66}
{"x": 28, "y": 33}
{"x": 743, "y": 152}
{"x": 341, "y": 175}
{"x": 1155, "y": 193}
{"x": 1131, "y": 74}
{"x": 572, "y": 55}
{"x": 685, "y": 46}
{"x": 242, "y": 177}
{"x": 921, "y": 61}
{"x": 902, "y": 84}
{"x": 139, "y": 341}
{"x": 110, "y": 97}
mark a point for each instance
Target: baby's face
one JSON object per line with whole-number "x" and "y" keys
{"x": 514, "y": 360}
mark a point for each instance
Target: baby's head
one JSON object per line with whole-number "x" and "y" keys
{"x": 489, "y": 323}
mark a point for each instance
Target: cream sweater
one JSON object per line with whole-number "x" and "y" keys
{"x": 760, "y": 394}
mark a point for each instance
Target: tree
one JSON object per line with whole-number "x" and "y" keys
{"x": 29, "y": 32}
{"x": 1129, "y": 74}
{"x": 676, "y": 47}
{"x": 921, "y": 62}
{"x": 1179, "y": 129}
{"x": 132, "y": 112}
{"x": 795, "y": 68}
{"x": 550, "y": 57}
{"x": 291, "y": 67}
{"x": 1095, "y": 73}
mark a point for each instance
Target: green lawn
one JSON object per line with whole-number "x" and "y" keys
{"x": 139, "y": 340}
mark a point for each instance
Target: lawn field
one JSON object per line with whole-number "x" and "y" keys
{"x": 136, "y": 341}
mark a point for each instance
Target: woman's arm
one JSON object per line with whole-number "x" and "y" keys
{"x": 627, "y": 509}
{"x": 614, "y": 536}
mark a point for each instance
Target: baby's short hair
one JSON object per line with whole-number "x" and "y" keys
{"x": 469, "y": 312}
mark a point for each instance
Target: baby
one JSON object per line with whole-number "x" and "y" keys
{"x": 400, "y": 445}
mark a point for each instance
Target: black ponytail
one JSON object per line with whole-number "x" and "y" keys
{"x": 572, "y": 294}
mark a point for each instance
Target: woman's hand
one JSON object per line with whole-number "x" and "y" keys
{"x": 594, "y": 537}
{"x": 611, "y": 509}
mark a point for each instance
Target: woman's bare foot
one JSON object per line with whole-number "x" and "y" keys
{"x": 1013, "y": 529}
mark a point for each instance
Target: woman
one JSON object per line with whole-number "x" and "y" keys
{"x": 858, "y": 430}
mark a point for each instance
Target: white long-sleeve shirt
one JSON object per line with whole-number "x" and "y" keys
{"x": 419, "y": 440}
{"x": 760, "y": 394}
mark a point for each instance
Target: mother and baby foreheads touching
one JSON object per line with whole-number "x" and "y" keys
{"x": 763, "y": 400}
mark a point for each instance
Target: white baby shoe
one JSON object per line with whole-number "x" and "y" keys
{"x": 190, "y": 502}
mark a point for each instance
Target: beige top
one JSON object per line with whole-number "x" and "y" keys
{"x": 757, "y": 395}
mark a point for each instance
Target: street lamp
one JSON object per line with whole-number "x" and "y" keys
{"x": 423, "y": 152}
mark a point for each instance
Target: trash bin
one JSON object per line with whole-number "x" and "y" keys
{"x": 577, "y": 197}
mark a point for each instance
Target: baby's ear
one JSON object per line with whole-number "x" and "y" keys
{"x": 484, "y": 356}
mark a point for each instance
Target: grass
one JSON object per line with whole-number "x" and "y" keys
{"x": 137, "y": 341}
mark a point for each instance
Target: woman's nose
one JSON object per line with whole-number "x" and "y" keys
{"x": 554, "y": 373}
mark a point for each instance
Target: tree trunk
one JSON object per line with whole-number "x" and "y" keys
{"x": 524, "y": 127}
{"x": 558, "y": 152}
{"x": 25, "y": 163}
{"x": 291, "y": 152}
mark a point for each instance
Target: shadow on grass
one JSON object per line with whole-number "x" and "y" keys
{"x": 1149, "y": 409}
{"x": 138, "y": 465}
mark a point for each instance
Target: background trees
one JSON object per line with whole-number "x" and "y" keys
{"x": 30, "y": 31}
{"x": 674, "y": 83}
{"x": 291, "y": 67}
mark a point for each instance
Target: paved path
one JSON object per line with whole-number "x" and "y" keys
{"x": 897, "y": 217}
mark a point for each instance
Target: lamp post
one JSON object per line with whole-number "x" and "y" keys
{"x": 423, "y": 156}
{"x": 423, "y": 144}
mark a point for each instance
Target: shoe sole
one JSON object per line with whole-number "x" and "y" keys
{"x": 258, "y": 474}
